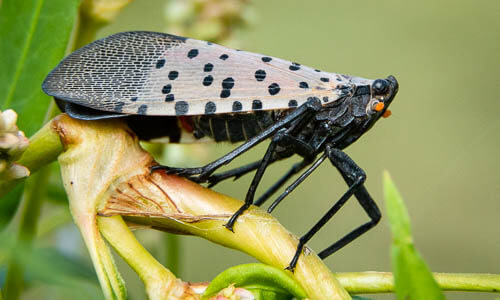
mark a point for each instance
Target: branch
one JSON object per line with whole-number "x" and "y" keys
{"x": 383, "y": 282}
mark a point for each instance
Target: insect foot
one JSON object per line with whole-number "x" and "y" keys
{"x": 194, "y": 174}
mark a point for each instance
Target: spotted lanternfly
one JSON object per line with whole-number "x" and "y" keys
{"x": 165, "y": 85}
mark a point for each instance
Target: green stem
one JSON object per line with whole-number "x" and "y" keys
{"x": 172, "y": 255}
{"x": 44, "y": 148}
{"x": 383, "y": 282}
{"x": 28, "y": 214}
{"x": 157, "y": 279}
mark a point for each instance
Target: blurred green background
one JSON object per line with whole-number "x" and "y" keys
{"x": 441, "y": 145}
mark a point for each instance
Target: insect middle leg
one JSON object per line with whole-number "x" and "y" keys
{"x": 282, "y": 137}
{"x": 355, "y": 178}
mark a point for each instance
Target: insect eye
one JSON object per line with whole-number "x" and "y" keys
{"x": 380, "y": 86}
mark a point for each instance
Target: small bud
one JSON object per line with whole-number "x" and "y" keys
{"x": 12, "y": 145}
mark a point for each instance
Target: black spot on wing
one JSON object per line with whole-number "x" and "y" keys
{"x": 237, "y": 106}
{"x": 181, "y": 108}
{"x": 273, "y": 88}
{"x": 294, "y": 66}
{"x": 224, "y": 56}
{"x": 228, "y": 83}
{"x": 169, "y": 98}
{"x": 208, "y": 80}
{"x": 208, "y": 67}
{"x": 166, "y": 89}
{"x": 133, "y": 99}
{"x": 225, "y": 93}
{"x": 210, "y": 107}
{"x": 266, "y": 59}
{"x": 172, "y": 75}
{"x": 303, "y": 85}
{"x": 160, "y": 63}
{"x": 256, "y": 104}
{"x": 192, "y": 53}
{"x": 260, "y": 75}
{"x": 324, "y": 79}
{"x": 292, "y": 103}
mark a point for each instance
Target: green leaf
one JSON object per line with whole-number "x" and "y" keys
{"x": 35, "y": 36}
{"x": 8, "y": 205}
{"x": 412, "y": 277}
{"x": 264, "y": 281}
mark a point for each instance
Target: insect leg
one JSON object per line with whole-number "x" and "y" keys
{"x": 281, "y": 138}
{"x": 296, "y": 168}
{"x": 257, "y": 177}
{"x": 313, "y": 104}
{"x": 235, "y": 173}
{"x": 296, "y": 183}
{"x": 349, "y": 170}
{"x": 355, "y": 178}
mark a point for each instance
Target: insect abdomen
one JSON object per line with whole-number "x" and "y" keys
{"x": 232, "y": 127}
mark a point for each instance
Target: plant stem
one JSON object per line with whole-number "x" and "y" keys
{"x": 44, "y": 148}
{"x": 156, "y": 277}
{"x": 383, "y": 282}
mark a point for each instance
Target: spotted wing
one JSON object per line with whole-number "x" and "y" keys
{"x": 160, "y": 74}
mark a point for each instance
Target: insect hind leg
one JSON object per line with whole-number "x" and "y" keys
{"x": 355, "y": 177}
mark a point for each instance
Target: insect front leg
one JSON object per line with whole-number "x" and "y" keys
{"x": 352, "y": 174}
{"x": 201, "y": 174}
{"x": 355, "y": 178}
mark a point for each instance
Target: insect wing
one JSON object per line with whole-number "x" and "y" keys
{"x": 160, "y": 74}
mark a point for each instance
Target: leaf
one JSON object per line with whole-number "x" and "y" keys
{"x": 412, "y": 277}
{"x": 264, "y": 281}
{"x": 35, "y": 35}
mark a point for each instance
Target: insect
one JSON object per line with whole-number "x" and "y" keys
{"x": 165, "y": 85}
